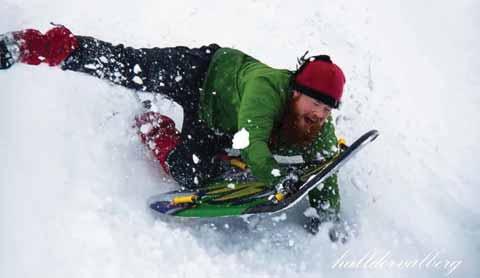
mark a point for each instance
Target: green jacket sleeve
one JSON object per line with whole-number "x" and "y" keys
{"x": 261, "y": 107}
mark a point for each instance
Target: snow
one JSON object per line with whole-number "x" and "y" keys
{"x": 291, "y": 242}
{"x": 241, "y": 139}
{"x": 137, "y": 69}
{"x": 279, "y": 218}
{"x": 152, "y": 145}
{"x": 310, "y": 212}
{"x": 276, "y": 173}
{"x": 137, "y": 80}
{"x": 90, "y": 66}
{"x": 146, "y": 128}
{"x": 195, "y": 158}
{"x": 74, "y": 179}
{"x": 104, "y": 59}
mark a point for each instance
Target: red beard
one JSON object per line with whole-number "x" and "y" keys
{"x": 291, "y": 132}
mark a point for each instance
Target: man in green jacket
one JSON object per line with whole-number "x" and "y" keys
{"x": 223, "y": 92}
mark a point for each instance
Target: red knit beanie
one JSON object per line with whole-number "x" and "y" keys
{"x": 319, "y": 78}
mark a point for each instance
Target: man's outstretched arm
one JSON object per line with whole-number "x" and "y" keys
{"x": 261, "y": 107}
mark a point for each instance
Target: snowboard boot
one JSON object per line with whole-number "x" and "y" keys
{"x": 158, "y": 132}
{"x": 32, "y": 47}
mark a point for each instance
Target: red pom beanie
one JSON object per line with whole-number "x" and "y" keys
{"x": 319, "y": 78}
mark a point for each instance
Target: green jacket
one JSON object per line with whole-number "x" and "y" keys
{"x": 241, "y": 92}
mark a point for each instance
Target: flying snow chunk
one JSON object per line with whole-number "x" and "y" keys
{"x": 178, "y": 78}
{"x": 195, "y": 159}
{"x": 241, "y": 139}
{"x": 276, "y": 173}
{"x": 104, "y": 60}
{"x": 137, "y": 69}
{"x": 145, "y": 128}
{"x": 325, "y": 205}
{"x": 137, "y": 80}
{"x": 152, "y": 145}
{"x": 90, "y": 66}
{"x": 310, "y": 212}
{"x": 231, "y": 185}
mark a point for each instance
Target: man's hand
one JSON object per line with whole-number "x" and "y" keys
{"x": 289, "y": 183}
{"x": 6, "y": 58}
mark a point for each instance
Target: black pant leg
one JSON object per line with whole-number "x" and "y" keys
{"x": 175, "y": 72}
{"x": 192, "y": 163}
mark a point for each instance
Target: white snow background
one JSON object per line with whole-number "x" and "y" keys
{"x": 74, "y": 178}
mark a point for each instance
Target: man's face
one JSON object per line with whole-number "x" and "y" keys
{"x": 310, "y": 112}
{"x": 303, "y": 119}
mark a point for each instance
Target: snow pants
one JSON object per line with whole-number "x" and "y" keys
{"x": 176, "y": 72}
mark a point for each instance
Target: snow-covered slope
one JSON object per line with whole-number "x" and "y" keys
{"x": 74, "y": 178}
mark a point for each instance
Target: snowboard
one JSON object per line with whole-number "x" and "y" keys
{"x": 241, "y": 195}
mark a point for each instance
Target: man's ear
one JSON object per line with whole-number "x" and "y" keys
{"x": 296, "y": 94}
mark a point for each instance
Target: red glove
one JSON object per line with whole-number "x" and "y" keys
{"x": 52, "y": 48}
{"x": 158, "y": 132}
